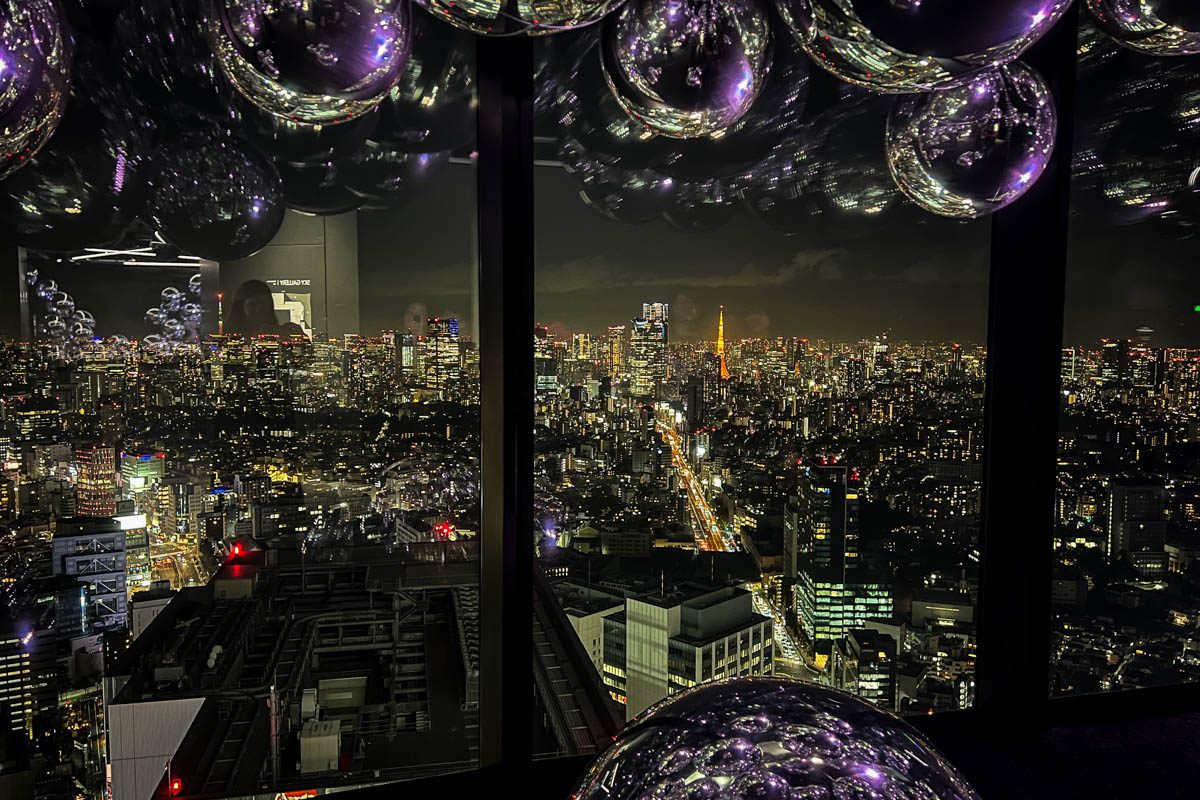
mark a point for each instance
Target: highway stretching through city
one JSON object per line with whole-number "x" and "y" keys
{"x": 709, "y": 535}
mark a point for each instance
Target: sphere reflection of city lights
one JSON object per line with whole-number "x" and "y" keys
{"x": 317, "y": 63}
{"x": 216, "y": 197}
{"x": 84, "y": 189}
{"x": 490, "y": 17}
{"x": 35, "y": 68}
{"x": 687, "y": 68}
{"x": 902, "y": 46}
{"x": 1159, "y": 28}
{"x": 970, "y": 150}
{"x": 770, "y": 738}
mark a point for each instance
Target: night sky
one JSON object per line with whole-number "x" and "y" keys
{"x": 914, "y": 276}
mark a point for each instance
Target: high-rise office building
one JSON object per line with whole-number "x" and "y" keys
{"x": 545, "y": 361}
{"x": 672, "y": 639}
{"x": 142, "y": 470}
{"x": 1136, "y": 525}
{"x": 863, "y": 662}
{"x": 16, "y": 681}
{"x": 648, "y": 370}
{"x": 92, "y": 549}
{"x": 96, "y": 480}
{"x": 615, "y": 347}
{"x": 441, "y": 356}
{"x": 833, "y": 592}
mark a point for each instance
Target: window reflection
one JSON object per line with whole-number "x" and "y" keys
{"x": 1124, "y": 587}
{"x": 239, "y": 405}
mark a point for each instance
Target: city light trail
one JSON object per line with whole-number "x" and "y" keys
{"x": 709, "y": 535}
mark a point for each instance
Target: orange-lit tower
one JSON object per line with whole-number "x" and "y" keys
{"x": 721, "y": 344}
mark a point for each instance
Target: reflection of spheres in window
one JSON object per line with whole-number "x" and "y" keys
{"x": 769, "y": 738}
{"x": 84, "y": 189}
{"x": 1159, "y": 28}
{"x": 849, "y": 172}
{"x": 171, "y": 299}
{"x": 687, "y": 68}
{"x": 970, "y": 150}
{"x": 216, "y": 196}
{"x": 901, "y": 46}
{"x": 315, "y": 63}
{"x": 36, "y": 55}
{"x": 432, "y": 106}
{"x": 490, "y": 17}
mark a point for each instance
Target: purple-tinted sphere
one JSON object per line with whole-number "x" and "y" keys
{"x": 1160, "y": 28}
{"x": 490, "y": 17}
{"x": 217, "y": 197}
{"x": 969, "y": 151}
{"x": 903, "y": 46}
{"x": 688, "y": 68}
{"x": 318, "y": 62}
{"x": 35, "y": 68}
{"x": 691, "y": 746}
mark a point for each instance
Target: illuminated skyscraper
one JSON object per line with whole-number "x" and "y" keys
{"x": 16, "y": 683}
{"x": 1137, "y": 526}
{"x": 721, "y": 344}
{"x": 96, "y": 483}
{"x": 441, "y": 355}
{"x": 833, "y": 595}
{"x": 581, "y": 346}
{"x": 614, "y": 352}
{"x": 648, "y": 352}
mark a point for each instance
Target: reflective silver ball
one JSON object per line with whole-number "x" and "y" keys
{"x": 317, "y": 62}
{"x": 1159, "y": 28}
{"x": 171, "y": 299}
{"x": 35, "y": 69}
{"x": 489, "y": 16}
{"x": 902, "y": 46}
{"x": 770, "y": 738}
{"x": 687, "y": 68}
{"x": 217, "y": 197}
{"x": 971, "y": 150}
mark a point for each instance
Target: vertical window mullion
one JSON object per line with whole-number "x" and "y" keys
{"x": 1025, "y": 334}
{"x": 505, "y": 236}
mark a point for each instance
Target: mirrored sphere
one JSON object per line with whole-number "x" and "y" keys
{"x": 84, "y": 317}
{"x": 62, "y": 305}
{"x": 770, "y": 738}
{"x": 316, "y": 62}
{"x": 702, "y": 205}
{"x": 173, "y": 329}
{"x": 164, "y": 54}
{"x": 490, "y": 16}
{"x": 1159, "y": 28}
{"x": 35, "y": 53}
{"x": 55, "y": 326}
{"x": 79, "y": 330}
{"x": 971, "y": 150}
{"x": 433, "y": 105}
{"x": 902, "y": 46}
{"x": 46, "y": 289}
{"x": 385, "y": 177}
{"x": 155, "y": 316}
{"x": 217, "y": 197}
{"x": 84, "y": 189}
{"x": 190, "y": 313}
{"x": 195, "y": 283}
{"x": 31, "y": 277}
{"x": 317, "y": 189}
{"x": 171, "y": 299}
{"x": 850, "y": 171}
{"x": 630, "y": 196}
{"x": 687, "y": 68}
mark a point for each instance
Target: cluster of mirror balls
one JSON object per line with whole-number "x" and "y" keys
{"x": 771, "y": 739}
{"x": 204, "y": 119}
{"x": 176, "y": 318}
{"x": 62, "y": 325}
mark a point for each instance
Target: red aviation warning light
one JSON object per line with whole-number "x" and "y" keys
{"x": 443, "y": 531}
{"x": 176, "y": 786}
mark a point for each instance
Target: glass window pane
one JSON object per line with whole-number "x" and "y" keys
{"x": 1124, "y": 592}
{"x": 759, "y": 395}
{"x": 239, "y": 408}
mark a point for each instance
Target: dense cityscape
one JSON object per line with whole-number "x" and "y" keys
{"x": 806, "y": 507}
